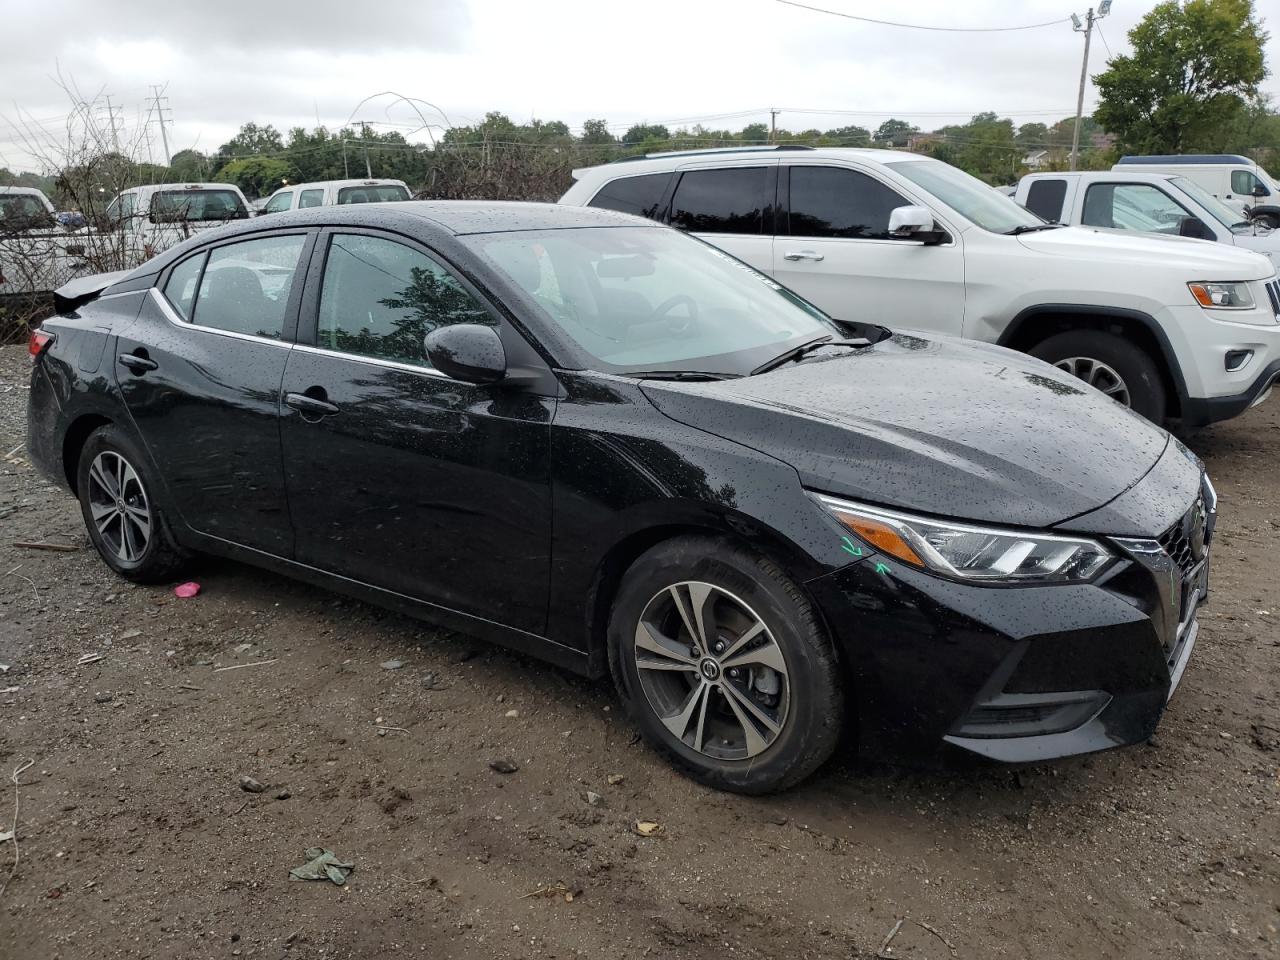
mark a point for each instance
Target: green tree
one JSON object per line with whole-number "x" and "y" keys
{"x": 754, "y": 133}
{"x": 1192, "y": 70}
{"x": 640, "y": 132}
{"x": 255, "y": 176}
{"x": 895, "y": 133}
{"x": 188, "y": 166}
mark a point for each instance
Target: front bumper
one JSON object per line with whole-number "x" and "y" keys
{"x": 1014, "y": 674}
{"x": 1207, "y": 345}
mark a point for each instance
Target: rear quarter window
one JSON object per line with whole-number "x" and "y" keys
{"x": 382, "y": 193}
{"x": 636, "y": 195}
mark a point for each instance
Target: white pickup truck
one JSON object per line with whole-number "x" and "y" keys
{"x": 1172, "y": 329}
{"x": 37, "y": 254}
{"x": 1162, "y": 203}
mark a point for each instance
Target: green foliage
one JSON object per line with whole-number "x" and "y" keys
{"x": 256, "y": 176}
{"x": 1193, "y": 70}
{"x": 895, "y": 133}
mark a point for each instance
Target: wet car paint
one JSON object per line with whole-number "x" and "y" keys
{"x": 512, "y": 511}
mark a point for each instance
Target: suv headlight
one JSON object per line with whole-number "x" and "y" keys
{"x": 962, "y": 551}
{"x": 1222, "y": 296}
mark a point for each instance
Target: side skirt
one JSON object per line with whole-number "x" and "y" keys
{"x": 520, "y": 640}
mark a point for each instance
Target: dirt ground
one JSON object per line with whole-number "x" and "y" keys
{"x": 136, "y": 839}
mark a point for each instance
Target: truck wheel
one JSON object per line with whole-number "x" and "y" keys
{"x": 1122, "y": 371}
{"x": 1271, "y": 220}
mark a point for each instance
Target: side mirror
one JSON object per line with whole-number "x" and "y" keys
{"x": 914, "y": 223}
{"x": 470, "y": 352}
{"x": 1194, "y": 227}
{"x": 1260, "y": 191}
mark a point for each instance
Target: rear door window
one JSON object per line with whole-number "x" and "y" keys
{"x": 731, "y": 200}
{"x": 637, "y": 195}
{"x": 180, "y": 288}
{"x": 310, "y": 198}
{"x": 834, "y": 202}
{"x": 246, "y": 286}
{"x": 1045, "y": 198}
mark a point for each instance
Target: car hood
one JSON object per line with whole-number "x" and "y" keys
{"x": 1197, "y": 259}
{"x": 938, "y": 426}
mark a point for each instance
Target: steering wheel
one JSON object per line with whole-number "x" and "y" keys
{"x": 677, "y": 324}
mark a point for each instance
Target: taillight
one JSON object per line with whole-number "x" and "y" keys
{"x": 37, "y": 343}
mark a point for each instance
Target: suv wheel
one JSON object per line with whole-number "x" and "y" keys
{"x": 1108, "y": 363}
{"x": 722, "y": 664}
{"x": 118, "y": 502}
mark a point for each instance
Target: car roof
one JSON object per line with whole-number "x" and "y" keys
{"x": 1135, "y": 175}
{"x": 659, "y": 162}
{"x": 1192, "y": 159}
{"x": 182, "y": 186}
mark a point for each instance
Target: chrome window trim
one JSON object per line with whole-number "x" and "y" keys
{"x": 376, "y": 361}
{"x": 176, "y": 319}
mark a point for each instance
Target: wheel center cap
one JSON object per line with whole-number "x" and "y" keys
{"x": 120, "y": 504}
{"x": 709, "y": 667}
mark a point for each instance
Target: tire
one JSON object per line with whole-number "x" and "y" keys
{"x": 724, "y": 744}
{"x": 1271, "y": 220}
{"x": 1124, "y": 372}
{"x": 129, "y": 531}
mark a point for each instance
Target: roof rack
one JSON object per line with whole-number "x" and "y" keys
{"x": 1197, "y": 158}
{"x": 716, "y": 150}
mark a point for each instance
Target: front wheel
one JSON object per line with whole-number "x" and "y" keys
{"x": 1121, "y": 370}
{"x": 723, "y": 665}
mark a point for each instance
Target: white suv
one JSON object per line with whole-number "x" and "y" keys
{"x": 1173, "y": 329}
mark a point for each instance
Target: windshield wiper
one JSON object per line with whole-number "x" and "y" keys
{"x": 797, "y": 352}
{"x": 681, "y": 375}
{"x": 1032, "y": 228}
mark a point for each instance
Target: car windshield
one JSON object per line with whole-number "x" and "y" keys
{"x": 966, "y": 195}
{"x": 648, "y": 299}
{"x": 23, "y": 211}
{"x": 378, "y": 193}
{"x": 175, "y": 206}
{"x": 1215, "y": 207}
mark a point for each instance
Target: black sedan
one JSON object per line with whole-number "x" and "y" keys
{"x": 597, "y": 440}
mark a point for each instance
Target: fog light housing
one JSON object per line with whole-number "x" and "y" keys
{"x": 1237, "y": 359}
{"x": 1031, "y": 714}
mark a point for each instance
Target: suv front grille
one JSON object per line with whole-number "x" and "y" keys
{"x": 1273, "y": 293}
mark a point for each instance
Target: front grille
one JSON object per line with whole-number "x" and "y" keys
{"x": 1178, "y": 547}
{"x": 1273, "y": 293}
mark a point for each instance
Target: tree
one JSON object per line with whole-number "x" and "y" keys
{"x": 253, "y": 139}
{"x": 754, "y": 133}
{"x": 641, "y": 132}
{"x": 1033, "y": 136}
{"x": 255, "y": 176}
{"x": 895, "y": 133}
{"x": 852, "y": 136}
{"x": 1193, "y": 68}
{"x": 188, "y": 166}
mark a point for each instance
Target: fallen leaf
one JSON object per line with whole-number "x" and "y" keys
{"x": 615, "y": 779}
{"x": 647, "y": 828}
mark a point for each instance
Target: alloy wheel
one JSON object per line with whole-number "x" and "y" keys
{"x": 712, "y": 671}
{"x": 119, "y": 506}
{"x": 1098, "y": 375}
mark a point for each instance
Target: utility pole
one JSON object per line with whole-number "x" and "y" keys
{"x": 112, "y": 113}
{"x": 1087, "y": 29}
{"x": 773, "y": 123}
{"x": 160, "y": 118}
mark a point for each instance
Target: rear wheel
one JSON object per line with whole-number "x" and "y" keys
{"x": 1118, "y": 368}
{"x": 118, "y": 502}
{"x": 722, "y": 664}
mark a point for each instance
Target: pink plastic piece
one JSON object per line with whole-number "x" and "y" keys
{"x": 189, "y": 589}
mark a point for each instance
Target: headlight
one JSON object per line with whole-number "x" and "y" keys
{"x": 1222, "y": 296}
{"x": 963, "y": 551}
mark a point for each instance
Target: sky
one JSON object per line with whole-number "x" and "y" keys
{"x": 722, "y": 62}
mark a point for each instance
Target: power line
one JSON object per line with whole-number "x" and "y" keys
{"x": 919, "y": 26}
{"x": 1101, "y": 37}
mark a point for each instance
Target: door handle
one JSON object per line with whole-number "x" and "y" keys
{"x": 310, "y": 406}
{"x": 136, "y": 363}
{"x": 802, "y": 255}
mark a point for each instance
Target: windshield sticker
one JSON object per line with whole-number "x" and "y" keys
{"x": 750, "y": 271}
{"x": 848, "y": 546}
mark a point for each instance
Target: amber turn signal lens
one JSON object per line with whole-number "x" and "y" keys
{"x": 881, "y": 536}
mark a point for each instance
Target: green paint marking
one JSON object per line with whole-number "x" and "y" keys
{"x": 882, "y": 567}
{"x": 848, "y": 546}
